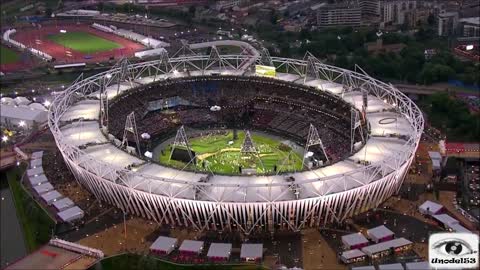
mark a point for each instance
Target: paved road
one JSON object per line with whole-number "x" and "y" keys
{"x": 12, "y": 244}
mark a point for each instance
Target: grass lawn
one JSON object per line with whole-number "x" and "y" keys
{"x": 8, "y": 56}
{"x": 84, "y": 42}
{"x": 220, "y": 156}
{"x": 134, "y": 262}
{"x": 37, "y": 225}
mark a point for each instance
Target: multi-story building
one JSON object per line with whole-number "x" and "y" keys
{"x": 370, "y": 7}
{"x": 447, "y": 23}
{"x": 470, "y": 27}
{"x": 395, "y": 11}
{"x": 226, "y": 4}
{"x": 339, "y": 14}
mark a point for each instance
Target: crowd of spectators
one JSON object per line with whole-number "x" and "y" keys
{"x": 267, "y": 104}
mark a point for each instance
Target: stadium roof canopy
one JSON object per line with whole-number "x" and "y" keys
{"x": 23, "y": 113}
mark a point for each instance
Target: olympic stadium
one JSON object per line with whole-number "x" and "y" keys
{"x": 355, "y": 136}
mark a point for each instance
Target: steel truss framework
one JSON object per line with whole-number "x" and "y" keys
{"x": 376, "y": 181}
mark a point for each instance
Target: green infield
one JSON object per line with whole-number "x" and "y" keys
{"x": 220, "y": 153}
{"x": 83, "y": 42}
{"x": 8, "y": 56}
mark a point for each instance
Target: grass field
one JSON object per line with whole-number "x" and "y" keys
{"x": 134, "y": 262}
{"x": 221, "y": 154}
{"x": 84, "y": 42}
{"x": 8, "y": 56}
{"x": 36, "y": 224}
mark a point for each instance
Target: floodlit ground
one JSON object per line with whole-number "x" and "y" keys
{"x": 8, "y": 56}
{"x": 220, "y": 153}
{"x": 84, "y": 42}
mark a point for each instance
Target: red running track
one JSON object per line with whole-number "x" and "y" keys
{"x": 37, "y": 38}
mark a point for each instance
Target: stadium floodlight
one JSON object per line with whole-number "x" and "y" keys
{"x": 4, "y": 138}
{"x": 469, "y": 47}
{"x": 63, "y": 31}
{"x": 148, "y": 154}
{"x": 175, "y": 72}
{"x": 145, "y": 136}
{"x": 46, "y": 103}
{"x": 21, "y": 123}
{"x": 108, "y": 75}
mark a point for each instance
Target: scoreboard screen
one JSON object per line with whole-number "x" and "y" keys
{"x": 265, "y": 71}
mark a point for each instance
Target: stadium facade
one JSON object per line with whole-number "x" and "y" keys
{"x": 292, "y": 201}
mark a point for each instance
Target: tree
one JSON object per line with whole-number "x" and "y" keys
{"x": 192, "y": 10}
{"x": 431, "y": 20}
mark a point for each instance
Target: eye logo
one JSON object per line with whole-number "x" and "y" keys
{"x": 452, "y": 247}
{"x": 453, "y": 250}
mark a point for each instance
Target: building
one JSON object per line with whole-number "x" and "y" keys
{"x": 340, "y": 14}
{"x": 470, "y": 27}
{"x": 370, "y": 7}
{"x": 226, "y": 4}
{"x": 447, "y": 23}
{"x": 395, "y": 12}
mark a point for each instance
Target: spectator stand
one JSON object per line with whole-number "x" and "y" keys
{"x": 353, "y": 256}
{"x": 354, "y": 241}
{"x": 251, "y": 252}
{"x": 219, "y": 252}
{"x": 380, "y": 234}
{"x": 430, "y": 208}
{"x": 163, "y": 245}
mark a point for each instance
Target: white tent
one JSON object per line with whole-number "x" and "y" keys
{"x": 417, "y": 266}
{"x": 22, "y": 101}
{"x": 368, "y": 267}
{"x": 430, "y": 208}
{"x": 14, "y": 115}
{"x": 35, "y": 163}
{"x": 456, "y": 227}
{"x": 63, "y": 204}
{"x": 38, "y": 154}
{"x": 219, "y": 251}
{"x": 348, "y": 255}
{"x": 36, "y": 180}
{"x": 251, "y": 252}
{"x": 51, "y": 196}
{"x": 45, "y": 187}
{"x": 383, "y": 246}
{"x": 393, "y": 266}
{"x": 34, "y": 172}
{"x": 164, "y": 245}
{"x": 380, "y": 233}
{"x": 191, "y": 246}
{"x": 354, "y": 240}
{"x": 445, "y": 219}
{"x": 71, "y": 214}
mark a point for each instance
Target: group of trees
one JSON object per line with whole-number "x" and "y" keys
{"x": 452, "y": 116}
{"x": 346, "y": 47}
